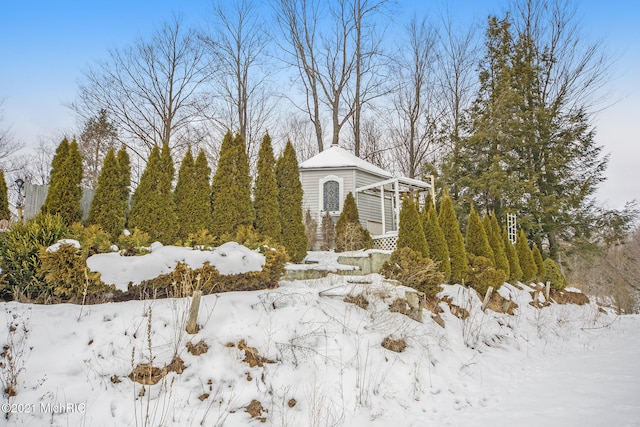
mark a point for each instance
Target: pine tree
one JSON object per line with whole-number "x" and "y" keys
{"x": 537, "y": 257}
{"x": 515, "y": 272}
{"x": 124, "y": 183}
{"x": 410, "y": 232}
{"x": 106, "y": 209}
{"x": 231, "y": 188}
{"x": 525, "y": 257}
{"x": 436, "y": 242}
{"x": 64, "y": 195}
{"x": 290, "y": 204}
{"x": 328, "y": 230}
{"x": 4, "y": 198}
{"x": 476, "y": 239}
{"x": 152, "y": 206}
{"x": 453, "y": 236}
{"x": 496, "y": 242}
{"x": 266, "y": 193}
{"x": 183, "y": 196}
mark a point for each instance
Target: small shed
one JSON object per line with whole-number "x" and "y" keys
{"x": 330, "y": 175}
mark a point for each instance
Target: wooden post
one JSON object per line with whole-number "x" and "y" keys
{"x": 192, "y": 324}
{"x": 547, "y": 290}
{"x": 487, "y": 297}
{"x": 414, "y": 303}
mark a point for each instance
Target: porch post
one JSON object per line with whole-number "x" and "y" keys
{"x": 384, "y": 222}
{"x": 397, "y": 209}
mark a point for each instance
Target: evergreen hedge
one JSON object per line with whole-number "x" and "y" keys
{"x": 455, "y": 242}
{"x": 290, "y": 204}
{"x": 477, "y": 243}
{"x": 436, "y": 242}
{"x": 265, "y": 199}
{"x": 64, "y": 194}
{"x": 525, "y": 258}
{"x": 4, "y": 198}
{"x": 410, "y": 231}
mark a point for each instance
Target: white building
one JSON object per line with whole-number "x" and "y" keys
{"x": 329, "y": 176}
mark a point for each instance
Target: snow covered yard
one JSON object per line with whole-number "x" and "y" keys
{"x": 318, "y": 361}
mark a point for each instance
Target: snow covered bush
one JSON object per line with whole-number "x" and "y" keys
{"x": 65, "y": 275}
{"x": 413, "y": 270}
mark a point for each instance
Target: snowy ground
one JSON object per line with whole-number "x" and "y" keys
{"x": 562, "y": 365}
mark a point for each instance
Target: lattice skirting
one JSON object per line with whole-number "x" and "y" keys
{"x": 387, "y": 243}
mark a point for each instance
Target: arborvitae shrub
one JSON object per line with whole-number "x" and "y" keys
{"x": 131, "y": 242}
{"x": 4, "y": 199}
{"x": 482, "y": 274}
{"x": 231, "y": 188}
{"x": 350, "y": 235}
{"x": 65, "y": 274}
{"x": 124, "y": 183}
{"x": 328, "y": 232}
{"x": 266, "y": 193}
{"x": 496, "y": 242}
{"x": 64, "y": 194}
{"x": 311, "y": 230}
{"x": 107, "y": 209}
{"x": 152, "y": 206}
{"x": 411, "y": 232}
{"x": 553, "y": 274}
{"x": 411, "y": 269}
{"x": 476, "y": 239}
{"x": 183, "y": 196}
{"x": 537, "y": 257}
{"x": 455, "y": 242}
{"x": 436, "y": 242}
{"x": 93, "y": 239}
{"x": 290, "y": 204}
{"x": 525, "y": 257}
{"x": 201, "y": 238}
{"x": 515, "y": 272}
{"x": 19, "y": 256}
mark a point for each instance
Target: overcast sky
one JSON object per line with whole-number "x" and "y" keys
{"x": 45, "y": 45}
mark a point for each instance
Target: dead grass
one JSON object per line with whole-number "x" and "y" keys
{"x": 147, "y": 374}
{"x": 399, "y": 305}
{"x": 255, "y": 409}
{"x": 499, "y": 304}
{"x": 360, "y": 300}
{"x": 459, "y": 312}
{"x": 197, "y": 349}
{"x": 251, "y": 355}
{"x": 394, "y": 345}
{"x": 567, "y": 297}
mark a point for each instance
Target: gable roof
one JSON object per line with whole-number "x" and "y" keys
{"x": 336, "y": 157}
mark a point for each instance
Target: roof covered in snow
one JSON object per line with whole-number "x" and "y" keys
{"x": 336, "y": 157}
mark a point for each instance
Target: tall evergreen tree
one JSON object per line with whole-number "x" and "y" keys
{"x": 183, "y": 196}
{"x": 525, "y": 257}
{"x": 201, "y": 193}
{"x": 290, "y": 204}
{"x": 106, "y": 209}
{"x": 476, "y": 239}
{"x": 4, "y": 198}
{"x": 64, "y": 195}
{"x": 231, "y": 188}
{"x": 537, "y": 257}
{"x": 152, "y": 206}
{"x": 494, "y": 235}
{"x": 265, "y": 199}
{"x": 124, "y": 182}
{"x": 455, "y": 241}
{"x": 438, "y": 250}
{"x": 515, "y": 272}
{"x": 410, "y": 232}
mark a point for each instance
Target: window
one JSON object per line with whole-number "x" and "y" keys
{"x": 331, "y": 196}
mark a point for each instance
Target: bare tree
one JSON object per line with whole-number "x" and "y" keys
{"x": 97, "y": 137}
{"x": 238, "y": 44}
{"x": 151, "y": 90}
{"x": 8, "y": 145}
{"x": 369, "y": 83}
{"x": 416, "y": 112}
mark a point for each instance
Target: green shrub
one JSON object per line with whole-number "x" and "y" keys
{"x": 130, "y": 243}
{"x": 482, "y": 274}
{"x": 201, "y": 238}
{"x": 411, "y": 269}
{"x": 93, "y": 239}
{"x": 19, "y": 257}
{"x": 553, "y": 274}
{"x": 411, "y": 232}
{"x": 350, "y": 235}
{"x": 537, "y": 257}
{"x": 65, "y": 274}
